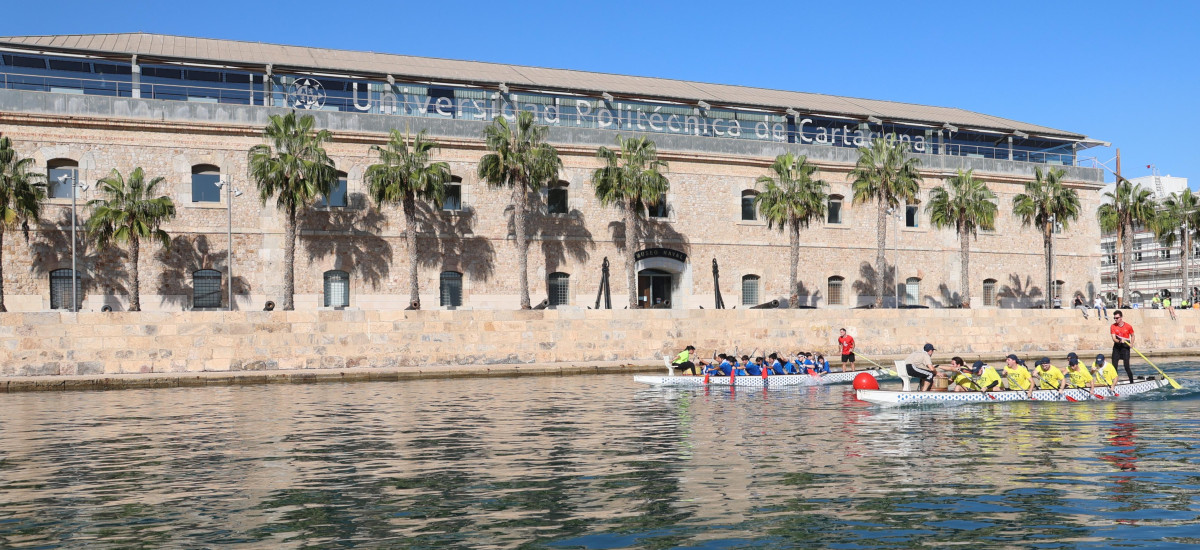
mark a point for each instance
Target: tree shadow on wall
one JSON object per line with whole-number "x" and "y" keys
{"x": 564, "y": 236}
{"x": 865, "y": 287}
{"x": 1018, "y": 294}
{"x": 447, "y": 242}
{"x": 950, "y": 299}
{"x": 351, "y": 236}
{"x": 655, "y": 233}
{"x": 187, "y": 255}
{"x": 100, "y": 270}
{"x": 806, "y": 298}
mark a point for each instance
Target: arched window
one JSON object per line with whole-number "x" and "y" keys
{"x": 204, "y": 183}
{"x": 60, "y": 290}
{"x": 61, "y": 176}
{"x": 912, "y": 214}
{"x": 206, "y": 289}
{"x": 835, "y": 290}
{"x": 559, "y": 287}
{"x": 451, "y": 289}
{"x": 834, "y": 209}
{"x": 749, "y": 212}
{"x": 989, "y": 292}
{"x": 657, "y": 209}
{"x": 453, "y": 200}
{"x": 556, "y": 198}
{"x": 1057, "y": 293}
{"x": 337, "y": 288}
{"x": 337, "y": 194}
{"x": 912, "y": 291}
{"x": 750, "y": 290}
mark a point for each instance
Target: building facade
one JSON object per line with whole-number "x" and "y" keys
{"x": 1155, "y": 268}
{"x": 188, "y": 109}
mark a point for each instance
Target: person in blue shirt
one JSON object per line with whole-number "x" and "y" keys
{"x": 807, "y": 365}
{"x": 776, "y": 364}
{"x": 755, "y": 367}
{"x": 741, "y": 367}
{"x": 821, "y": 364}
{"x": 719, "y": 367}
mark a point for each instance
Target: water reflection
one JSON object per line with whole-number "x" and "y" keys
{"x": 587, "y": 462}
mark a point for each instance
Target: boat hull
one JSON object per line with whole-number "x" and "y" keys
{"x": 899, "y": 398}
{"x": 778, "y": 380}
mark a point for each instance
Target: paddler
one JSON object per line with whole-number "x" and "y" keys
{"x": 684, "y": 360}
{"x": 920, "y": 365}
{"x": 755, "y": 367}
{"x": 1046, "y": 376}
{"x": 1104, "y": 373}
{"x": 980, "y": 377}
{"x": 1016, "y": 374}
{"x": 958, "y": 374}
{"x": 1076, "y": 376}
{"x": 776, "y": 364}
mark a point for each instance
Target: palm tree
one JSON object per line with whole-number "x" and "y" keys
{"x": 792, "y": 199}
{"x": 632, "y": 179}
{"x": 21, "y": 196}
{"x": 129, "y": 214}
{"x": 1126, "y": 206}
{"x": 293, "y": 166}
{"x": 403, "y": 176}
{"x": 1045, "y": 204}
{"x": 1176, "y": 222}
{"x": 886, "y": 174}
{"x": 967, "y": 205}
{"x": 520, "y": 159}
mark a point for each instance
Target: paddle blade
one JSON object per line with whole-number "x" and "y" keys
{"x": 1071, "y": 399}
{"x": 1174, "y": 384}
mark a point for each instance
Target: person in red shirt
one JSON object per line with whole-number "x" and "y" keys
{"x": 1122, "y": 337}
{"x": 847, "y": 343}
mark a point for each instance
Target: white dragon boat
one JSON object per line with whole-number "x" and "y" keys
{"x": 898, "y": 398}
{"x": 751, "y": 381}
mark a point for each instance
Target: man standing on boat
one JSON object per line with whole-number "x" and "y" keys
{"x": 847, "y": 343}
{"x": 920, "y": 366}
{"x": 1122, "y": 337}
{"x": 684, "y": 360}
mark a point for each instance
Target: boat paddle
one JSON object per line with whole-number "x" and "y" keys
{"x": 885, "y": 369}
{"x": 1173, "y": 383}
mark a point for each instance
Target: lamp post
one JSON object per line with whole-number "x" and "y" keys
{"x": 894, "y": 213}
{"x": 75, "y": 187}
{"x": 230, "y": 192}
{"x": 1053, "y": 280}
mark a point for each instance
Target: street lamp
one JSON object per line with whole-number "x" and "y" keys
{"x": 75, "y": 185}
{"x": 231, "y": 192}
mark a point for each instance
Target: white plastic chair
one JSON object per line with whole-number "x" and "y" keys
{"x": 667, "y": 362}
{"x": 902, "y": 372}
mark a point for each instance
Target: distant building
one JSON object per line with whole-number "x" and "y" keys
{"x": 1155, "y": 267}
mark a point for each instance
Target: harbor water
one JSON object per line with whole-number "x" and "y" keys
{"x": 591, "y": 462}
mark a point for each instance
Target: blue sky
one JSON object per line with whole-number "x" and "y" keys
{"x": 1123, "y": 72}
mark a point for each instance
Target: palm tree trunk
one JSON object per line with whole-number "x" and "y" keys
{"x": 410, "y": 237}
{"x": 2, "y": 308}
{"x": 964, "y": 282}
{"x": 518, "y": 199}
{"x": 794, "y": 260}
{"x": 1126, "y": 260}
{"x": 631, "y": 244}
{"x": 881, "y": 240}
{"x": 135, "y": 293}
{"x": 289, "y": 260}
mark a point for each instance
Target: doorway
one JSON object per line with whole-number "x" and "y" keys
{"x": 654, "y": 288}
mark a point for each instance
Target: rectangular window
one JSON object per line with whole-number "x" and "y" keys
{"x": 560, "y": 289}
{"x": 989, "y": 293}
{"x": 911, "y": 215}
{"x": 1164, "y": 254}
{"x": 453, "y": 202}
{"x": 204, "y": 187}
{"x": 556, "y": 200}
{"x": 658, "y": 210}
{"x": 835, "y": 211}
{"x": 835, "y": 292}
{"x": 61, "y": 182}
{"x": 206, "y": 289}
{"x": 748, "y": 211}
{"x": 337, "y": 196}
{"x": 451, "y": 289}
{"x": 750, "y": 290}
{"x": 60, "y": 290}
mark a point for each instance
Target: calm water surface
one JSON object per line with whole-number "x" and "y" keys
{"x": 590, "y": 462}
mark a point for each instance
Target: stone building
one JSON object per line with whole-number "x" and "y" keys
{"x": 188, "y": 109}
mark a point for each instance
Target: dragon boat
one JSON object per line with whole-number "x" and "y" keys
{"x": 899, "y": 398}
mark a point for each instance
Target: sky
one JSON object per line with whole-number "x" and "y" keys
{"x": 1117, "y": 71}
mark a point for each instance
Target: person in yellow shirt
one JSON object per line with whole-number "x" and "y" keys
{"x": 986, "y": 377}
{"x": 1105, "y": 373}
{"x": 1047, "y": 376}
{"x": 1016, "y": 374}
{"x": 1076, "y": 376}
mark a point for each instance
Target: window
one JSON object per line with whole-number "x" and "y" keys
{"x": 60, "y": 290}
{"x": 337, "y": 194}
{"x": 453, "y": 200}
{"x": 912, "y": 291}
{"x": 989, "y": 292}
{"x": 912, "y": 215}
{"x": 204, "y": 183}
{"x": 749, "y": 212}
{"x": 834, "y": 209}
{"x": 1058, "y": 289}
{"x": 61, "y": 176}
{"x": 206, "y": 289}
{"x": 337, "y": 289}
{"x": 835, "y": 290}
{"x": 559, "y": 286}
{"x": 750, "y": 290}
{"x": 1137, "y": 251}
{"x": 1164, "y": 253}
{"x": 657, "y": 209}
{"x": 451, "y": 289}
{"x": 556, "y": 199}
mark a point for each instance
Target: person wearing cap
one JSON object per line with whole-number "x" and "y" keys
{"x": 1104, "y": 373}
{"x": 1048, "y": 376}
{"x": 920, "y": 365}
{"x": 1122, "y": 337}
{"x": 1016, "y": 374}
{"x": 1076, "y": 376}
{"x": 684, "y": 360}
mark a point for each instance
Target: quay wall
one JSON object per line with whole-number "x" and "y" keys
{"x": 62, "y": 344}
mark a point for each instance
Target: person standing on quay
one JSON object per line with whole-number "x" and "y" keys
{"x": 1122, "y": 337}
{"x": 847, "y": 343}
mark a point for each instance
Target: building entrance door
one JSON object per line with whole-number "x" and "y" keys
{"x": 654, "y": 288}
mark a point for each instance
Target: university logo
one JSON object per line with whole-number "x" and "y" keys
{"x": 306, "y": 93}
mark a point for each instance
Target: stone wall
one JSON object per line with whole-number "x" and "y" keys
{"x": 98, "y": 343}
